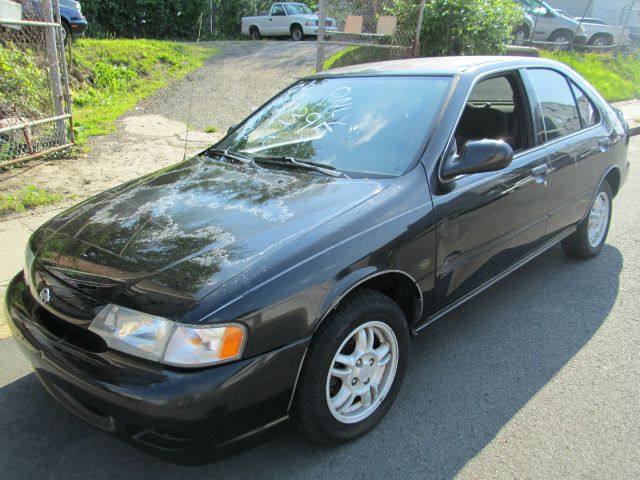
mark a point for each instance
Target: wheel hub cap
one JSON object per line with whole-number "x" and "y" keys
{"x": 362, "y": 372}
{"x": 598, "y": 219}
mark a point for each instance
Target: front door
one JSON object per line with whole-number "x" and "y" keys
{"x": 487, "y": 222}
{"x": 279, "y": 24}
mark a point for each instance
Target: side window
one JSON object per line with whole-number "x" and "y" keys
{"x": 559, "y": 109}
{"x": 589, "y": 115}
{"x": 278, "y": 11}
{"x": 494, "y": 111}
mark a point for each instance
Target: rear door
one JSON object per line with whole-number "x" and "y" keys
{"x": 487, "y": 222}
{"x": 575, "y": 141}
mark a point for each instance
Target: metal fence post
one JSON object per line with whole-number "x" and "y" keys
{"x": 321, "y": 29}
{"x": 65, "y": 71}
{"x": 416, "y": 41}
{"x": 626, "y": 22}
{"x": 54, "y": 68}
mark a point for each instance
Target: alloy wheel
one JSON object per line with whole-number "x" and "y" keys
{"x": 362, "y": 372}
{"x": 598, "y": 219}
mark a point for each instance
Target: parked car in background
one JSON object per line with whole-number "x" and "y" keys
{"x": 279, "y": 274}
{"x": 600, "y": 34}
{"x": 285, "y": 19}
{"x": 73, "y": 22}
{"x": 550, "y": 26}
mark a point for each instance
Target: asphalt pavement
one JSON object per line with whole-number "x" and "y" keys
{"x": 536, "y": 378}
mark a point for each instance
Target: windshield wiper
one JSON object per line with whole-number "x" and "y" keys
{"x": 233, "y": 156}
{"x": 318, "y": 167}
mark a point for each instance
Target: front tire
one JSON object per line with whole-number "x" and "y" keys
{"x": 591, "y": 235}
{"x": 521, "y": 35}
{"x": 353, "y": 369}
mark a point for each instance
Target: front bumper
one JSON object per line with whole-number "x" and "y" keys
{"x": 186, "y": 416}
{"x": 312, "y": 30}
{"x": 77, "y": 26}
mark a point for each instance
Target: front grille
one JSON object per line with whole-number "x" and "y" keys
{"x": 70, "y": 333}
{"x": 71, "y": 304}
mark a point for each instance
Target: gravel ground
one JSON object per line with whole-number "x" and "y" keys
{"x": 536, "y": 378}
{"x": 235, "y": 82}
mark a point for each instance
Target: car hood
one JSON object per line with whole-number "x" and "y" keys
{"x": 183, "y": 231}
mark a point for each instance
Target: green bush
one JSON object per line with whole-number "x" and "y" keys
{"x": 462, "y": 27}
{"x": 145, "y": 18}
{"x": 23, "y": 84}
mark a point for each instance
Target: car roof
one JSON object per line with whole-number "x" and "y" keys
{"x": 436, "y": 66}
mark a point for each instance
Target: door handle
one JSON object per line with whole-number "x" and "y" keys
{"x": 540, "y": 170}
{"x": 604, "y": 143}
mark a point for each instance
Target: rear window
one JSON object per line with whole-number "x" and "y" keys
{"x": 558, "y": 106}
{"x": 589, "y": 115}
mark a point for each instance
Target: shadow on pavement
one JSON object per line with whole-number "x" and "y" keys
{"x": 471, "y": 372}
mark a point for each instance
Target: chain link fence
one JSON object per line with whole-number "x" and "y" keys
{"x": 377, "y": 27}
{"x": 35, "y": 102}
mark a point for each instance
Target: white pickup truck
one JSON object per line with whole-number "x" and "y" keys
{"x": 600, "y": 34}
{"x": 285, "y": 19}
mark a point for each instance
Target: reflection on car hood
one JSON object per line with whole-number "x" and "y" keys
{"x": 187, "y": 229}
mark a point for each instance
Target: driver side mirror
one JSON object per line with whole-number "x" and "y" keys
{"x": 231, "y": 129}
{"x": 478, "y": 156}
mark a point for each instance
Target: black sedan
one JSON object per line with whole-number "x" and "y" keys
{"x": 279, "y": 274}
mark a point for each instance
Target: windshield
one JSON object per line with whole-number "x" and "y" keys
{"x": 297, "y": 9}
{"x": 363, "y": 125}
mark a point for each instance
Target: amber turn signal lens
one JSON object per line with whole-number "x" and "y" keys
{"x": 232, "y": 342}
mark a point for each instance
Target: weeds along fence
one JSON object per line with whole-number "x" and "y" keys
{"x": 378, "y": 27}
{"x": 35, "y": 102}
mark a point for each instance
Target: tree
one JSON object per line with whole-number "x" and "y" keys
{"x": 463, "y": 27}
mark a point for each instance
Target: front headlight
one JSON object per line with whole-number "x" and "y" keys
{"x": 156, "y": 338}
{"x": 311, "y": 23}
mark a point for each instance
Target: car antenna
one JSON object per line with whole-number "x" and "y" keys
{"x": 186, "y": 136}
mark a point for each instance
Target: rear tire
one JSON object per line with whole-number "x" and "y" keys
{"x": 67, "y": 37}
{"x": 254, "y": 34}
{"x": 353, "y": 369}
{"x": 589, "y": 238}
{"x": 297, "y": 35}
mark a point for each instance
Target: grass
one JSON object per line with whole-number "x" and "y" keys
{"x": 617, "y": 77}
{"x": 29, "y": 197}
{"x": 355, "y": 55}
{"x": 111, "y": 76}
{"x": 211, "y": 129}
